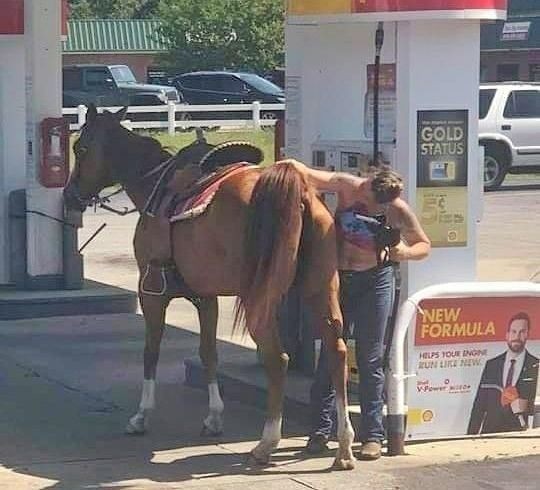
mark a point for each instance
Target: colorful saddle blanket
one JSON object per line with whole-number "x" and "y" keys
{"x": 202, "y": 192}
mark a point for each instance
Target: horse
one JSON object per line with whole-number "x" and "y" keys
{"x": 264, "y": 230}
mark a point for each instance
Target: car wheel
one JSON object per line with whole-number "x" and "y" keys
{"x": 494, "y": 171}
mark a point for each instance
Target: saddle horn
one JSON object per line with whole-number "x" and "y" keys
{"x": 200, "y": 135}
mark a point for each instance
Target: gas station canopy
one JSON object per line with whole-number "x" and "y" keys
{"x": 12, "y": 18}
{"x": 368, "y": 10}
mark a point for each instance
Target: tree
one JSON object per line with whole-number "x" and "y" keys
{"x": 223, "y": 34}
{"x": 106, "y": 9}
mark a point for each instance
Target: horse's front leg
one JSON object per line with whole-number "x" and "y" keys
{"x": 327, "y": 314}
{"x": 153, "y": 308}
{"x": 208, "y": 316}
{"x": 275, "y": 363}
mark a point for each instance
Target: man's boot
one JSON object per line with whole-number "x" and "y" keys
{"x": 370, "y": 450}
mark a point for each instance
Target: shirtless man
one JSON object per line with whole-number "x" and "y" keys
{"x": 367, "y": 285}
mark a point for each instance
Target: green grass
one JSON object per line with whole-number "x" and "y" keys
{"x": 262, "y": 139}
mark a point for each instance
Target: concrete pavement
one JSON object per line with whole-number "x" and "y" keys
{"x": 69, "y": 384}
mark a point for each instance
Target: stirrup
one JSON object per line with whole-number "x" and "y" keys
{"x": 147, "y": 274}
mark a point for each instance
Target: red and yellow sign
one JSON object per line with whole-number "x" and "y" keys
{"x": 472, "y": 320}
{"x": 12, "y": 16}
{"x": 314, "y": 7}
{"x": 420, "y": 5}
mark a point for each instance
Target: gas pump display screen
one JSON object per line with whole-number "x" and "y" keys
{"x": 442, "y": 171}
{"x": 350, "y": 161}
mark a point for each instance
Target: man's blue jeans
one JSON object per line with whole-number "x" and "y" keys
{"x": 366, "y": 302}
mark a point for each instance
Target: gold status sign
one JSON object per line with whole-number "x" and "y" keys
{"x": 442, "y": 157}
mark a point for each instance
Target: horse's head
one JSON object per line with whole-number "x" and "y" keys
{"x": 94, "y": 158}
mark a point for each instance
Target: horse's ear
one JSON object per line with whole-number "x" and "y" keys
{"x": 121, "y": 114}
{"x": 91, "y": 113}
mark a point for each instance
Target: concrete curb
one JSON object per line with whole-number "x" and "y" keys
{"x": 93, "y": 299}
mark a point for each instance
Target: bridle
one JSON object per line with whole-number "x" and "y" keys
{"x": 103, "y": 201}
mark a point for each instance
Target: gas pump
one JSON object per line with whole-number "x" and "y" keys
{"x": 349, "y": 101}
{"x": 333, "y": 51}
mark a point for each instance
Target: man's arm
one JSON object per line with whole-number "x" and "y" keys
{"x": 479, "y": 408}
{"x": 417, "y": 244}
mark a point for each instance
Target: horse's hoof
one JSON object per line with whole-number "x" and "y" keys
{"x": 212, "y": 426}
{"x": 254, "y": 460}
{"x": 209, "y": 432}
{"x": 344, "y": 464}
{"x": 135, "y": 427}
{"x": 134, "y": 431}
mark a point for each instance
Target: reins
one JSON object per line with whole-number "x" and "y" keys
{"x": 160, "y": 170}
{"x": 100, "y": 202}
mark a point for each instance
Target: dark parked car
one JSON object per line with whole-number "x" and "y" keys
{"x": 276, "y": 76}
{"x": 110, "y": 85}
{"x": 223, "y": 87}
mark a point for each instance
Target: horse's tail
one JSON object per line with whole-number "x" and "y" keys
{"x": 273, "y": 232}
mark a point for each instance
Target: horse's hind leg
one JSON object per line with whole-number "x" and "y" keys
{"x": 327, "y": 315}
{"x": 153, "y": 308}
{"x": 208, "y": 316}
{"x": 275, "y": 363}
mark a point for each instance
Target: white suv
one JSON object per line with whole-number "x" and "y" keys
{"x": 509, "y": 130}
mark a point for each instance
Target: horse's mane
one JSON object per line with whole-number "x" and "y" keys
{"x": 136, "y": 154}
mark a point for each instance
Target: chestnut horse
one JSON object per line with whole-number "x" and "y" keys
{"x": 261, "y": 225}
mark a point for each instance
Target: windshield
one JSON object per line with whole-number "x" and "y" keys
{"x": 122, "y": 74}
{"x": 261, "y": 84}
{"x": 486, "y": 97}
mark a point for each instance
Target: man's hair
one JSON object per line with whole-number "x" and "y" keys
{"x": 520, "y": 316}
{"x": 386, "y": 184}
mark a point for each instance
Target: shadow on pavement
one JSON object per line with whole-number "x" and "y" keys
{"x": 70, "y": 384}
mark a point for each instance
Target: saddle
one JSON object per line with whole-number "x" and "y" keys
{"x": 184, "y": 189}
{"x": 195, "y": 168}
{"x": 193, "y": 201}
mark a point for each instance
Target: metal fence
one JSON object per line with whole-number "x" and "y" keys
{"x": 183, "y": 116}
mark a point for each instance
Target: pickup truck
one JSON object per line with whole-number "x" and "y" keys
{"x": 110, "y": 86}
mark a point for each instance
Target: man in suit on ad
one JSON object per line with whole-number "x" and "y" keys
{"x": 505, "y": 396}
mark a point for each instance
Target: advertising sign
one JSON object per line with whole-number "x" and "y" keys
{"x": 515, "y": 31}
{"x": 293, "y": 117}
{"x": 442, "y": 160}
{"x": 476, "y": 363}
{"x": 387, "y": 102}
{"x": 442, "y": 148}
{"x": 443, "y": 212}
{"x": 310, "y": 7}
